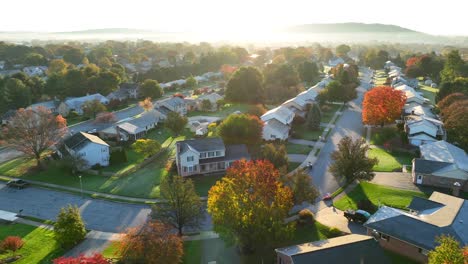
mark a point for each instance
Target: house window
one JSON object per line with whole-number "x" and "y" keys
{"x": 384, "y": 237}
{"x": 189, "y": 158}
{"x": 104, "y": 150}
{"x": 202, "y": 167}
{"x": 185, "y": 169}
{"x": 82, "y": 154}
{"x": 218, "y": 153}
{"x": 202, "y": 155}
{"x": 423, "y": 251}
{"x": 211, "y": 154}
{"x": 190, "y": 169}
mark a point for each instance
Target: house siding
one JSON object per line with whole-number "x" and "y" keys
{"x": 93, "y": 154}
{"x": 402, "y": 248}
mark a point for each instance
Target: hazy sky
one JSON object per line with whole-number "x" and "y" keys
{"x": 447, "y": 17}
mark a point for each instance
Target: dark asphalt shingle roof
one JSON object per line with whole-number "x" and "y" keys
{"x": 233, "y": 152}
{"x": 420, "y": 204}
{"x": 202, "y": 145}
{"x": 429, "y": 166}
{"x": 79, "y": 140}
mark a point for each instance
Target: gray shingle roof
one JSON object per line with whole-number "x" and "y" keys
{"x": 201, "y": 145}
{"x": 429, "y": 166}
{"x": 421, "y": 204}
{"x": 79, "y": 140}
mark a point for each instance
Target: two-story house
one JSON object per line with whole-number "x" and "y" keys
{"x": 89, "y": 148}
{"x": 208, "y": 155}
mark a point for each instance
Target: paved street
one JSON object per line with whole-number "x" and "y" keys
{"x": 349, "y": 124}
{"x": 98, "y": 214}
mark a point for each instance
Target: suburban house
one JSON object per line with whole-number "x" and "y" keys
{"x": 7, "y": 116}
{"x": 389, "y": 64}
{"x": 76, "y": 103}
{"x": 125, "y": 91}
{"x": 32, "y": 71}
{"x": 162, "y": 112}
{"x": 413, "y": 234}
{"x": 89, "y": 148}
{"x": 207, "y": 155}
{"x": 441, "y": 165}
{"x": 411, "y": 95}
{"x": 49, "y": 105}
{"x": 418, "y": 110}
{"x": 277, "y": 123}
{"x": 174, "y": 104}
{"x": 423, "y": 129}
{"x": 297, "y": 104}
{"x": 310, "y": 94}
{"x": 137, "y": 127}
{"x": 212, "y": 97}
{"x": 351, "y": 248}
{"x": 399, "y": 80}
{"x": 335, "y": 61}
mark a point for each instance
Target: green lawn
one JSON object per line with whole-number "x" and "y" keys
{"x": 298, "y": 149}
{"x": 111, "y": 251}
{"x": 390, "y": 161}
{"x": 143, "y": 183}
{"x": 381, "y": 135}
{"x": 302, "y": 132}
{"x": 293, "y": 165}
{"x": 204, "y": 251}
{"x": 223, "y": 112}
{"x": 39, "y": 244}
{"x": 328, "y": 115}
{"x": 429, "y": 92}
{"x": 378, "y": 195}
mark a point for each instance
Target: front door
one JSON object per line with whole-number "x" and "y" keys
{"x": 419, "y": 179}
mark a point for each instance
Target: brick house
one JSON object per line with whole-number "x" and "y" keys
{"x": 413, "y": 233}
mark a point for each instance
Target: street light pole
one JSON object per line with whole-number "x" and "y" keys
{"x": 81, "y": 186}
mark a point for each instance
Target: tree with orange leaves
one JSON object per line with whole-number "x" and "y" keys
{"x": 34, "y": 131}
{"x": 249, "y": 205}
{"x": 151, "y": 243}
{"x": 382, "y": 105}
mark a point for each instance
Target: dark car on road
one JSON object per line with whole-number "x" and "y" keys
{"x": 359, "y": 216}
{"x": 20, "y": 184}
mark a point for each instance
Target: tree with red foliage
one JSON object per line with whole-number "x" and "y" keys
{"x": 151, "y": 243}
{"x": 382, "y": 105}
{"x": 34, "y": 131}
{"x": 105, "y": 117}
{"x": 11, "y": 243}
{"x": 412, "y": 61}
{"x": 94, "y": 259}
{"x": 248, "y": 205}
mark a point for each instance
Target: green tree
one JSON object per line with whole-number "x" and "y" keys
{"x": 191, "y": 82}
{"x": 104, "y": 83}
{"x": 245, "y": 81}
{"x": 54, "y": 86}
{"x": 301, "y": 186}
{"x": 175, "y": 122}
{"x": 448, "y": 251}
{"x": 146, "y": 147}
{"x": 314, "y": 117}
{"x": 241, "y": 129}
{"x": 16, "y": 93}
{"x": 337, "y": 92}
{"x": 57, "y": 66}
{"x": 281, "y": 81}
{"x": 69, "y": 228}
{"x": 151, "y": 88}
{"x": 35, "y": 59}
{"x": 182, "y": 206}
{"x": 206, "y": 105}
{"x": 92, "y": 108}
{"x": 342, "y": 50}
{"x": 309, "y": 72}
{"x": 75, "y": 83}
{"x": 73, "y": 55}
{"x": 454, "y": 67}
{"x": 276, "y": 154}
{"x": 248, "y": 206}
{"x": 350, "y": 160}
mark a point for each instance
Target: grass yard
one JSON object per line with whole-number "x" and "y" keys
{"x": 298, "y": 149}
{"x": 390, "y": 161}
{"x": 111, "y": 252}
{"x": 223, "y": 112}
{"x": 429, "y": 92}
{"x": 302, "y": 132}
{"x": 328, "y": 114}
{"x": 143, "y": 183}
{"x": 293, "y": 165}
{"x": 381, "y": 135}
{"x": 378, "y": 195}
{"x": 204, "y": 251}
{"x": 39, "y": 244}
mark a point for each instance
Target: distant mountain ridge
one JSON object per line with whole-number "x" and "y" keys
{"x": 348, "y": 28}
{"x": 109, "y": 31}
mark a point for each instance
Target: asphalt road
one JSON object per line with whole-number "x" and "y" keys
{"x": 349, "y": 124}
{"x": 98, "y": 215}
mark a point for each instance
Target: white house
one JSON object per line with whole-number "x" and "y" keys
{"x": 207, "y": 155}
{"x": 273, "y": 130}
{"x": 310, "y": 94}
{"x": 212, "y": 97}
{"x": 421, "y": 132}
{"x": 280, "y": 113}
{"x": 32, "y": 71}
{"x": 418, "y": 110}
{"x": 87, "y": 147}
{"x": 76, "y": 103}
{"x": 174, "y": 104}
{"x": 296, "y": 104}
{"x": 412, "y": 95}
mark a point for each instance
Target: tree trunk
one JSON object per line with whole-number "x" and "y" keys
{"x": 180, "y": 231}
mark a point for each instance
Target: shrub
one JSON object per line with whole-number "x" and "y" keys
{"x": 171, "y": 167}
{"x": 69, "y": 228}
{"x": 118, "y": 156}
{"x": 325, "y": 108}
{"x": 11, "y": 243}
{"x": 299, "y": 120}
{"x": 96, "y": 166}
{"x": 306, "y": 217}
{"x": 367, "y": 205}
{"x": 94, "y": 259}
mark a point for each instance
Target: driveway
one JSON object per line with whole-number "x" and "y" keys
{"x": 299, "y": 158}
{"x": 349, "y": 124}
{"x": 399, "y": 180}
{"x": 98, "y": 215}
{"x": 333, "y": 217}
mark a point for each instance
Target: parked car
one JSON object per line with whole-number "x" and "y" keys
{"x": 359, "y": 216}
{"x": 20, "y": 184}
{"x": 327, "y": 197}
